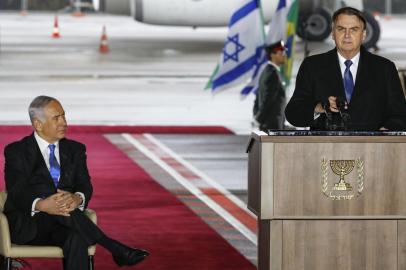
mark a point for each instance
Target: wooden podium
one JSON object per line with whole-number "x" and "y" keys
{"x": 329, "y": 201}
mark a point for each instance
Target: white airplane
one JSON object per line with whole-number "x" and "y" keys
{"x": 314, "y": 16}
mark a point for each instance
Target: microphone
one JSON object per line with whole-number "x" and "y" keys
{"x": 341, "y": 103}
{"x": 345, "y": 116}
{"x": 326, "y": 106}
{"x": 336, "y": 120}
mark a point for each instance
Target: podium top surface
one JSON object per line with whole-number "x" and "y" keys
{"x": 306, "y": 136}
{"x": 333, "y": 133}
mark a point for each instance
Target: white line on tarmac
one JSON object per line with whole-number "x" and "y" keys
{"x": 202, "y": 175}
{"x": 193, "y": 189}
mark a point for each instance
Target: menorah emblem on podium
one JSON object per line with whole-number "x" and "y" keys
{"x": 342, "y": 168}
{"x": 342, "y": 190}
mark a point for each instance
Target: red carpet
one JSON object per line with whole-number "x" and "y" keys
{"x": 133, "y": 208}
{"x": 127, "y": 129}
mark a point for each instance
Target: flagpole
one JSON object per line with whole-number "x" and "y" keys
{"x": 292, "y": 18}
{"x": 210, "y": 82}
{"x": 261, "y": 12}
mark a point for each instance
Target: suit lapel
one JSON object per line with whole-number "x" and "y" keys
{"x": 361, "y": 80}
{"x": 64, "y": 157}
{"x": 337, "y": 80}
{"x": 36, "y": 160}
{"x": 32, "y": 150}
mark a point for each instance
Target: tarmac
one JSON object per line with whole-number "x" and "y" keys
{"x": 154, "y": 75}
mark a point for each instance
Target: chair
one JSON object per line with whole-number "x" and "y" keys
{"x": 10, "y": 250}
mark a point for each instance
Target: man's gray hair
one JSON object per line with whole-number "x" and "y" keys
{"x": 36, "y": 108}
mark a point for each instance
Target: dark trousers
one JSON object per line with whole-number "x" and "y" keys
{"x": 73, "y": 234}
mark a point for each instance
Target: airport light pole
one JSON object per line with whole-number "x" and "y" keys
{"x": 388, "y": 7}
{"x": 77, "y": 6}
{"x": 24, "y": 6}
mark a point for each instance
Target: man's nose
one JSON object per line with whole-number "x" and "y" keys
{"x": 62, "y": 121}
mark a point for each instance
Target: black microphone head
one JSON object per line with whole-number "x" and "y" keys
{"x": 341, "y": 102}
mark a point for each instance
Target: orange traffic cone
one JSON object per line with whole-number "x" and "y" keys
{"x": 104, "y": 47}
{"x": 78, "y": 14}
{"x": 55, "y": 33}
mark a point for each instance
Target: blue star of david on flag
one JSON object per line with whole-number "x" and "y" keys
{"x": 243, "y": 47}
{"x": 238, "y": 47}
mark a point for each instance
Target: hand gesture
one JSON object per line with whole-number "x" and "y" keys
{"x": 60, "y": 203}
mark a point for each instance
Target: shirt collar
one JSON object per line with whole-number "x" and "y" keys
{"x": 43, "y": 144}
{"x": 354, "y": 60}
{"x": 276, "y": 66}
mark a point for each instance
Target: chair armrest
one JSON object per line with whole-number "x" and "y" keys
{"x": 91, "y": 214}
{"x": 5, "y": 242}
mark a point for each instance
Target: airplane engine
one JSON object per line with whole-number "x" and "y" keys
{"x": 184, "y": 12}
{"x": 314, "y": 23}
{"x": 195, "y": 13}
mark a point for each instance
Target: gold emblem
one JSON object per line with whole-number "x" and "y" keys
{"x": 342, "y": 190}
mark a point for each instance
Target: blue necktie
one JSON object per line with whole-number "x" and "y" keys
{"x": 54, "y": 168}
{"x": 348, "y": 80}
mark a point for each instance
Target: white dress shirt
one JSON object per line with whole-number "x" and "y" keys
{"x": 45, "y": 151}
{"x": 353, "y": 67}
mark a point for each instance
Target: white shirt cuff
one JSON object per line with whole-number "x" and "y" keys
{"x": 33, "y": 211}
{"x": 81, "y": 207}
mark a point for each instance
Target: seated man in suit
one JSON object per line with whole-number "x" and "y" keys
{"x": 348, "y": 79}
{"x": 48, "y": 188}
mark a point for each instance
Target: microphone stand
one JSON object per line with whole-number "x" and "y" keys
{"x": 336, "y": 121}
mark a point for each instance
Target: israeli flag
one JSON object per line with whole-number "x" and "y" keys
{"x": 277, "y": 32}
{"x": 243, "y": 47}
{"x": 278, "y": 25}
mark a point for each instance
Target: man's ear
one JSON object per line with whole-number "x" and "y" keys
{"x": 37, "y": 125}
{"x": 364, "y": 35}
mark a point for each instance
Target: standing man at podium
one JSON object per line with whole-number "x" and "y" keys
{"x": 348, "y": 80}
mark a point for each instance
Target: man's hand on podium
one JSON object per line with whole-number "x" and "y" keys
{"x": 333, "y": 106}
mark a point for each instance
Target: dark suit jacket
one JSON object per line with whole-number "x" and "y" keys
{"x": 377, "y": 100}
{"x": 27, "y": 178}
{"x": 271, "y": 99}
